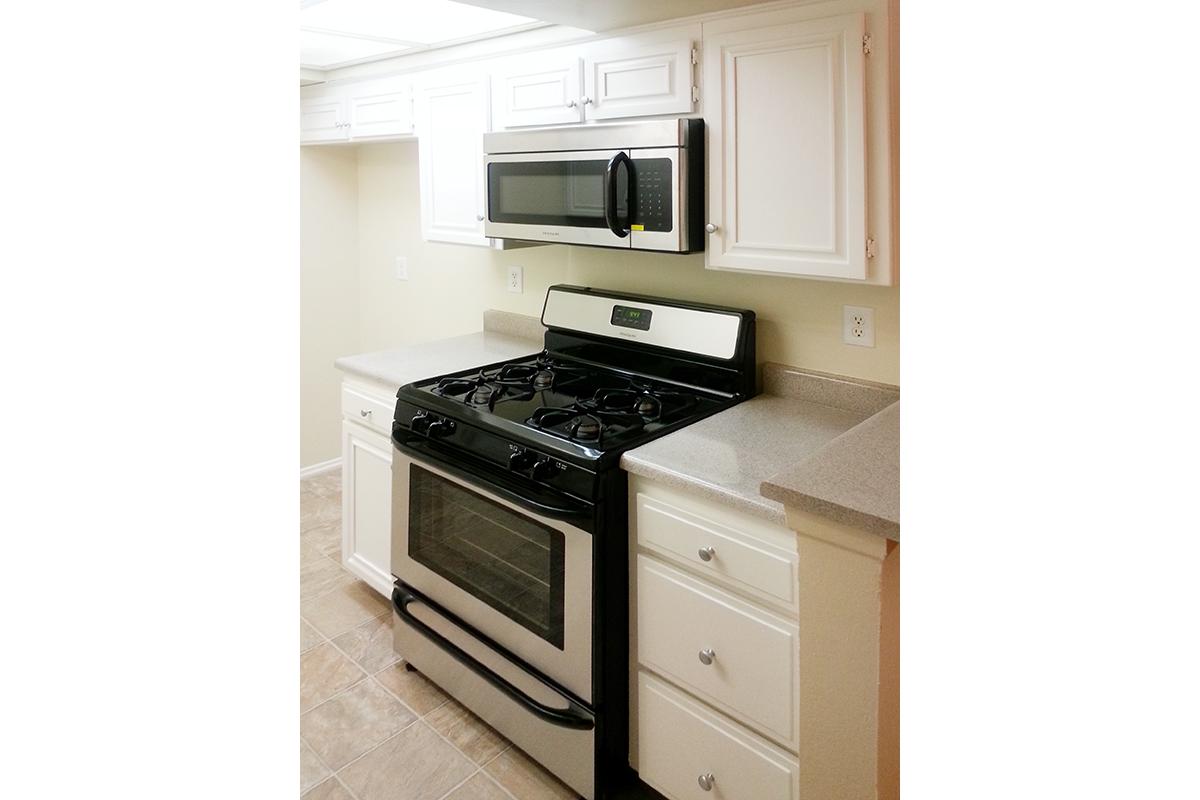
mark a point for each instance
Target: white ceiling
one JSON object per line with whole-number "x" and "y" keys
{"x": 336, "y": 33}
{"x": 605, "y": 15}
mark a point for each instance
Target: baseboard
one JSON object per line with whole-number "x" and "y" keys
{"x": 317, "y": 469}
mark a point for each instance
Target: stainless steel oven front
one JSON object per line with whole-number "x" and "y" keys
{"x": 522, "y": 579}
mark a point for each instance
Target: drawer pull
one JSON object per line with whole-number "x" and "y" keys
{"x": 707, "y": 553}
{"x": 366, "y": 412}
{"x": 706, "y": 781}
{"x": 707, "y": 656}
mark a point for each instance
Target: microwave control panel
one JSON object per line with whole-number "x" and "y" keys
{"x": 651, "y": 194}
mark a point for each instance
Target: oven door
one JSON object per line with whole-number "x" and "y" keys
{"x": 521, "y": 579}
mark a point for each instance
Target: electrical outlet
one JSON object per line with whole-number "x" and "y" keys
{"x": 516, "y": 279}
{"x": 401, "y": 268}
{"x": 858, "y": 326}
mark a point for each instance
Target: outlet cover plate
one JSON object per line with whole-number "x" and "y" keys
{"x": 516, "y": 280}
{"x": 401, "y": 268}
{"x": 858, "y": 326}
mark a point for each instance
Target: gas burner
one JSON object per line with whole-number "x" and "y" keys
{"x": 569, "y": 422}
{"x": 515, "y": 374}
{"x": 627, "y": 401}
{"x": 543, "y": 380}
{"x": 457, "y": 386}
{"x": 485, "y": 394}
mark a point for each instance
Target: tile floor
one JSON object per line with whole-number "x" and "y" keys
{"x": 369, "y": 728}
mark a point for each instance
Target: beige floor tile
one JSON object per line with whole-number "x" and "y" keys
{"x": 309, "y": 637}
{"x": 317, "y": 511}
{"x": 321, "y": 576}
{"x": 324, "y": 484}
{"x": 329, "y": 790}
{"x": 323, "y": 673}
{"x": 413, "y": 765}
{"x": 343, "y": 608}
{"x": 310, "y": 553}
{"x": 478, "y": 741}
{"x": 370, "y": 644}
{"x": 343, "y": 728}
{"x": 479, "y": 787}
{"x": 526, "y": 780}
{"x": 417, "y": 691}
{"x": 327, "y": 539}
{"x": 312, "y": 771}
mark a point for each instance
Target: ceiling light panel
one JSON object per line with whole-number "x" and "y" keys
{"x": 426, "y": 22}
{"x": 324, "y": 50}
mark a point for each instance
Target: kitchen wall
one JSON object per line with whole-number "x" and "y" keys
{"x": 449, "y": 286}
{"x": 329, "y": 300}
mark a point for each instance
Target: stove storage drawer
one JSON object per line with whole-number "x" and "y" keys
{"x": 684, "y": 747}
{"x": 363, "y": 406}
{"x": 742, "y": 659}
{"x": 722, "y": 546}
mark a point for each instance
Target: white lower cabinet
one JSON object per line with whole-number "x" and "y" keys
{"x": 367, "y": 487}
{"x": 689, "y": 753}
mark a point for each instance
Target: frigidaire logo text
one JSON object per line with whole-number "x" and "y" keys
{"x": 549, "y": 233}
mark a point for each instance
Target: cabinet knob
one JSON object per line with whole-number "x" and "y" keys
{"x": 586, "y": 100}
{"x": 479, "y": 217}
{"x": 706, "y": 781}
{"x": 710, "y": 228}
{"x": 707, "y": 553}
{"x": 571, "y": 104}
{"x": 707, "y": 656}
{"x": 366, "y": 412}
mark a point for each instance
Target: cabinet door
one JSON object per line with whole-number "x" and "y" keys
{"x": 323, "y": 118}
{"x": 625, "y": 80}
{"x": 545, "y": 92}
{"x": 367, "y": 505}
{"x": 378, "y": 109}
{"x": 787, "y": 149}
{"x": 452, "y": 117}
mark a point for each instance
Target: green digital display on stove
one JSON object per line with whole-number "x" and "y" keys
{"x": 630, "y": 317}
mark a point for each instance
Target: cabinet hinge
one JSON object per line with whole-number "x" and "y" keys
{"x": 695, "y": 56}
{"x": 867, "y": 44}
{"x": 870, "y": 247}
{"x": 695, "y": 94}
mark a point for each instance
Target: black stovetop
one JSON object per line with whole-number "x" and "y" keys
{"x": 601, "y": 409}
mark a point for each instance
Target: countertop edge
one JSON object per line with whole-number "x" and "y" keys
{"x": 766, "y": 508}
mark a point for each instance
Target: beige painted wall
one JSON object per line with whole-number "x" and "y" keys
{"x": 449, "y": 286}
{"x": 328, "y": 292}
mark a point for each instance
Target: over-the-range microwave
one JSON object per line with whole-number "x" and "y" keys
{"x": 637, "y": 186}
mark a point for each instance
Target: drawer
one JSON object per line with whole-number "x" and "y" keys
{"x": 736, "y": 557}
{"x": 369, "y": 409}
{"x": 753, "y": 668}
{"x": 680, "y": 740}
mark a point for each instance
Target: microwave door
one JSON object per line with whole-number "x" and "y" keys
{"x": 559, "y": 197}
{"x": 659, "y": 185}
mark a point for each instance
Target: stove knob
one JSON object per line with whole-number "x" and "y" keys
{"x": 520, "y": 460}
{"x": 442, "y": 427}
{"x": 542, "y": 470}
{"x": 420, "y": 422}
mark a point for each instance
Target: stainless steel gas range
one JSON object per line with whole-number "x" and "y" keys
{"x": 509, "y": 522}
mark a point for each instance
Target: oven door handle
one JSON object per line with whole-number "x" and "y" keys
{"x": 580, "y": 515}
{"x": 574, "y": 716}
{"x": 610, "y": 192}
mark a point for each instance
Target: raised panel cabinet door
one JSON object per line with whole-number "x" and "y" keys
{"x": 367, "y": 505}
{"x": 787, "y": 149}
{"x": 638, "y": 80}
{"x": 322, "y": 119}
{"x": 379, "y": 109}
{"x": 451, "y": 121}
{"x": 545, "y": 92}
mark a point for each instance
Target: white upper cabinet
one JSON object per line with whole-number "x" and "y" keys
{"x": 629, "y": 78}
{"x": 452, "y": 115}
{"x": 787, "y": 172}
{"x": 379, "y": 108}
{"x": 322, "y": 116}
{"x": 537, "y": 91}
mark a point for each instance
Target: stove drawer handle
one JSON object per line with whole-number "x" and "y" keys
{"x": 573, "y": 717}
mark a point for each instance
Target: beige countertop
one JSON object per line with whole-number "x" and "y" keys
{"x": 854, "y": 479}
{"x": 505, "y": 336}
{"x": 794, "y": 422}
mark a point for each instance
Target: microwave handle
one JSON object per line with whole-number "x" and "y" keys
{"x": 610, "y": 191}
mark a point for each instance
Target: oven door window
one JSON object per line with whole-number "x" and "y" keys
{"x": 569, "y": 193}
{"x": 501, "y": 557}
